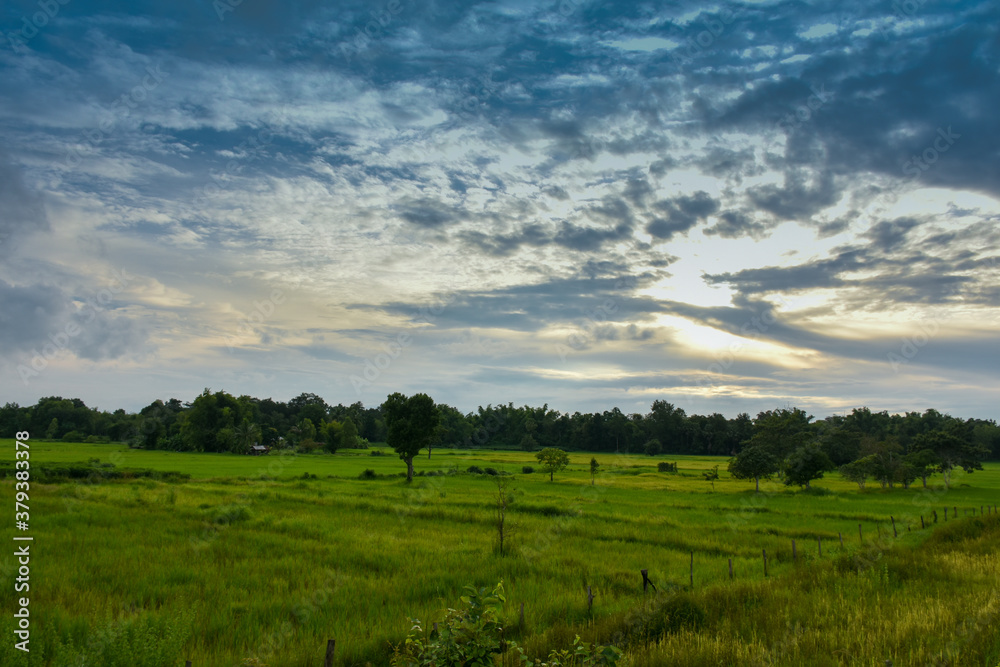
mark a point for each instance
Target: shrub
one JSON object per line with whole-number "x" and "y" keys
{"x": 476, "y": 470}
{"x": 74, "y": 436}
{"x": 377, "y": 452}
{"x": 491, "y": 471}
{"x": 368, "y": 473}
{"x": 527, "y": 470}
{"x": 663, "y": 466}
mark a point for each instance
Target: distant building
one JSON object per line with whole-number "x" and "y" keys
{"x": 257, "y": 450}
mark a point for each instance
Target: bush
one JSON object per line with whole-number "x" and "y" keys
{"x": 663, "y": 466}
{"x": 74, "y": 436}
{"x": 368, "y": 473}
{"x": 308, "y": 446}
{"x": 476, "y": 470}
{"x": 652, "y": 447}
{"x": 377, "y": 452}
{"x": 491, "y": 471}
{"x": 527, "y": 470}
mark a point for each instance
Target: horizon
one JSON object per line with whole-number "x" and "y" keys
{"x": 732, "y": 209}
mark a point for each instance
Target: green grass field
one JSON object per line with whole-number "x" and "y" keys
{"x": 249, "y": 562}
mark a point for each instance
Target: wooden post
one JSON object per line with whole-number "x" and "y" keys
{"x": 794, "y": 556}
{"x": 819, "y": 541}
{"x": 945, "y": 513}
{"x": 331, "y": 646}
{"x": 894, "y": 533}
{"x": 187, "y": 663}
{"x": 862, "y": 539}
{"x": 935, "y": 516}
{"x": 841, "y": 540}
{"x": 692, "y": 569}
{"x": 435, "y": 628}
{"x": 730, "y": 569}
{"x": 590, "y": 599}
{"x": 520, "y": 621}
{"x": 954, "y": 514}
{"x": 645, "y": 581}
{"x": 764, "y": 553}
{"x": 921, "y": 522}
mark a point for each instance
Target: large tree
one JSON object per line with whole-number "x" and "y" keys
{"x": 552, "y": 460}
{"x": 411, "y": 423}
{"x": 805, "y": 464}
{"x": 756, "y": 463}
{"x": 952, "y": 452}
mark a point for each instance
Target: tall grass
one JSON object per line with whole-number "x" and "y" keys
{"x": 244, "y": 564}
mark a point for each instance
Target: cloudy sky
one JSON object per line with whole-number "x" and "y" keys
{"x": 732, "y": 207}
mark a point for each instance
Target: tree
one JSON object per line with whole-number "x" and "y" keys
{"x": 52, "y": 432}
{"x": 952, "y": 452}
{"x": 552, "y": 460}
{"x": 754, "y": 462}
{"x": 348, "y": 434}
{"x": 711, "y": 475}
{"x": 505, "y": 529}
{"x": 528, "y": 443}
{"x": 924, "y": 463}
{"x": 411, "y": 423}
{"x": 246, "y": 435}
{"x": 782, "y": 431}
{"x": 594, "y": 465}
{"x": 652, "y": 447}
{"x": 858, "y": 471}
{"x": 805, "y": 464}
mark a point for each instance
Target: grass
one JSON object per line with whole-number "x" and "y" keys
{"x": 265, "y": 558}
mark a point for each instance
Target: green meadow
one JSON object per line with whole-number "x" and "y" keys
{"x": 261, "y": 560}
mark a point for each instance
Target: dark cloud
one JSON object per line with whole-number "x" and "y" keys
{"x": 34, "y": 317}
{"x": 429, "y": 213}
{"x": 21, "y": 211}
{"x": 683, "y": 213}
{"x": 736, "y": 224}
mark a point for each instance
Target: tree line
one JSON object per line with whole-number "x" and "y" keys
{"x": 886, "y": 448}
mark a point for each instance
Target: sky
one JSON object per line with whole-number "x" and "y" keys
{"x": 731, "y": 207}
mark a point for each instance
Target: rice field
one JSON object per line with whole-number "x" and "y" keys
{"x": 261, "y": 560}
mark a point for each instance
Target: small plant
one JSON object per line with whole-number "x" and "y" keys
{"x": 475, "y": 470}
{"x": 368, "y": 473}
{"x": 711, "y": 476}
{"x": 527, "y": 470}
{"x": 663, "y": 466}
{"x": 491, "y": 471}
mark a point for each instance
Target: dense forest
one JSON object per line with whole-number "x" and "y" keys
{"x": 221, "y": 422}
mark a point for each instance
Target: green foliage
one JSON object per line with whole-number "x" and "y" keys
{"x": 411, "y": 425}
{"x": 652, "y": 447}
{"x": 527, "y": 470}
{"x": 806, "y": 464}
{"x": 368, "y": 473}
{"x": 473, "y": 637}
{"x": 552, "y": 460}
{"x": 858, "y": 471}
{"x": 664, "y": 466}
{"x": 754, "y": 462}
{"x": 470, "y": 636}
{"x": 581, "y": 655}
{"x": 474, "y": 470}
{"x": 711, "y": 475}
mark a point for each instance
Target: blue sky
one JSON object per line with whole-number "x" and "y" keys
{"x": 732, "y": 207}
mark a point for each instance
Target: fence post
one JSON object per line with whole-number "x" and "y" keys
{"x": 692, "y": 569}
{"x": 331, "y": 646}
{"x": 520, "y": 621}
{"x": 841, "y": 535}
{"x": 730, "y": 569}
{"x": 590, "y": 599}
{"x": 794, "y": 556}
{"x": 935, "y": 516}
{"x": 819, "y": 542}
{"x": 921, "y": 522}
{"x": 894, "y": 533}
{"x": 764, "y": 553}
{"x": 187, "y": 663}
{"x": 860, "y": 538}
